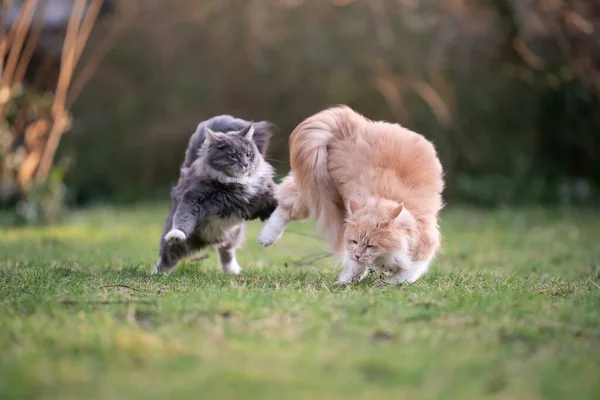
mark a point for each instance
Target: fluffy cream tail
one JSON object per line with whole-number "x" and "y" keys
{"x": 308, "y": 159}
{"x": 308, "y": 190}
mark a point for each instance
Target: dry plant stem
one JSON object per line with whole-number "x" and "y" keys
{"x": 67, "y": 61}
{"x": 58, "y": 108}
{"x": 13, "y": 42}
{"x": 93, "y": 61}
{"x": 312, "y": 258}
{"x": 433, "y": 100}
{"x": 17, "y": 44}
{"x": 33, "y": 138}
{"x": 4, "y": 4}
{"x": 105, "y": 302}
{"x": 86, "y": 27}
{"x": 5, "y": 39}
{"x": 91, "y": 66}
{"x": 123, "y": 286}
{"x": 390, "y": 87}
{"x": 58, "y": 127}
{"x": 31, "y": 44}
{"x": 28, "y": 167}
{"x": 78, "y": 32}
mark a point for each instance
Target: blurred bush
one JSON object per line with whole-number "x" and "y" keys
{"x": 508, "y": 89}
{"x": 41, "y": 45}
{"x": 24, "y": 122}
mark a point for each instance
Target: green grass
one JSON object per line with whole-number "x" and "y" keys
{"x": 510, "y": 310}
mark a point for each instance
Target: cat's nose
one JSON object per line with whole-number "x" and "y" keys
{"x": 357, "y": 256}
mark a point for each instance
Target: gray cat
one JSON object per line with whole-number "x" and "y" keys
{"x": 224, "y": 181}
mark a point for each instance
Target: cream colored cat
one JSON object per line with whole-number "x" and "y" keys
{"x": 374, "y": 189}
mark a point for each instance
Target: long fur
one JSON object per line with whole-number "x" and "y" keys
{"x": 337, "y": 154}
{"x": 309, "y": 166}
{"x": 224, "y": 181}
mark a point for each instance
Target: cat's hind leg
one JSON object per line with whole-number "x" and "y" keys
{"x": 170, "y": 249}
{"x": 226, "y": 250}
{"x": 171, "y": 252}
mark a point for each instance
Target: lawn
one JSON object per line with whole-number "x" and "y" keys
{"x": 510, "y": 310}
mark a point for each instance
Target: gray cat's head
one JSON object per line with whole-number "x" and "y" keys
{"x": 233, "y": 153}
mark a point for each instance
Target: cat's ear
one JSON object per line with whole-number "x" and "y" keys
{"x": 214, "y": 136}
{"x": 248, "y": 132}
{"x": 353, "y": 206}
{"x": 397, "y": 212}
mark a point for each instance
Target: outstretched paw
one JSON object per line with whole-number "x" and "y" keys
{"x": 175, "y": 235}
{"x": 268, "y": 236}
{"x": 274, "y": 228}
{"x": 266, "y": 241}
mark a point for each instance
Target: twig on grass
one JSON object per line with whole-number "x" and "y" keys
{"x": 105, "y": 302}
{"x": 311, "y": 258}
{"x": 123, "y": 286}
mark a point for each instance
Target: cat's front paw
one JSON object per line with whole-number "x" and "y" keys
{"x": 270, "y": 233}
{"x": 273, "y": 229}
{"x": 175, "y": 235}
{"x": 267, "y": 237}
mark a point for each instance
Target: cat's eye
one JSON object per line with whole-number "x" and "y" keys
{"x": 355, "y": 242}
{"x": 369, "y": 246}
{"x": 248, "y": 154}
{"x": 233, "y": 156}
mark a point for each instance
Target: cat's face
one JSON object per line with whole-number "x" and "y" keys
{"x": 373, "y": 231}
{"x": 233, "y": 153}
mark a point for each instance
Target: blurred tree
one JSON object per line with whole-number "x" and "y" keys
{"x": 507, "y": 89}
{"x": 41, "y": 44}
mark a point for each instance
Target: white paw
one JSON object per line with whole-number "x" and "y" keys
{"x": 233, "y": 268}
{"x": 273, "y": 229}
{"x": 268, "y": 236}
{"x": 175, "y": 235}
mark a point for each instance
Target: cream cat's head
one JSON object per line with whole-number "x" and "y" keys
{"x": 376, "y": 228}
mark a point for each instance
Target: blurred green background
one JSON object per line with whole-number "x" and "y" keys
{"x": 508, "y": 90}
